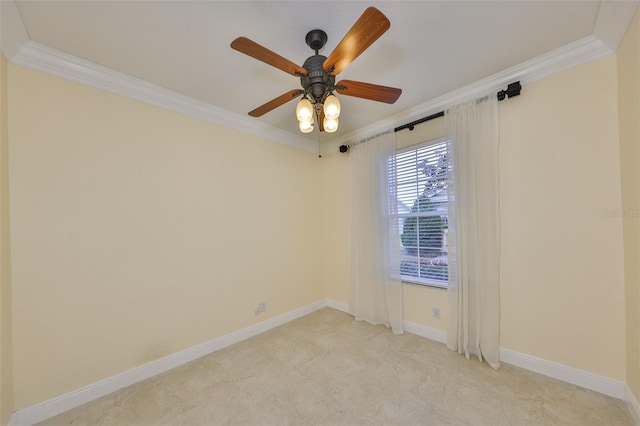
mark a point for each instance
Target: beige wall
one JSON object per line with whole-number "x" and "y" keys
{"x": 562, "y": 289}
{"x": 418, "y": 302}
{"x": 335, "y": 214}
{"x": 6, "y": 357}
{"x": 629, "y": 115}
{"x": 138, "y": 232}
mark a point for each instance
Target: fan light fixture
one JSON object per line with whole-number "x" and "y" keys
{"x": 330, "y": 124}
{"x": 330, "y": 108}
{"x": 306, "y": 126}
{"x": 304, "y": 110}
{"x": 318, "y": 73}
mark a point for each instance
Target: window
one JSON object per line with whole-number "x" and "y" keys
{"x": 421, "y": 184}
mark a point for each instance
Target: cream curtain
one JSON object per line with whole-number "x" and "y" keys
{"x": 474, "y": 230}
{"x": 376, "y": 292}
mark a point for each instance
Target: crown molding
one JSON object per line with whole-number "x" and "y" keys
{"x": 13, "y": 34}
{"x": 54, "y": 62}
{"x": 568, "y": 56}
{"x": 613, "y": 20}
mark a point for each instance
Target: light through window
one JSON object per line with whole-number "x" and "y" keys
{"x": 421, "y": 176}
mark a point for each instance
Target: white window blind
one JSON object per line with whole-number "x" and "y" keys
{"x": 421, "y": 185}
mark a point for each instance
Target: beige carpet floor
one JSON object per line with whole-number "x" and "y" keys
{"x": 327, "y": 369}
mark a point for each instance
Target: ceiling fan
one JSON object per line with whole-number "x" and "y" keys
{"x": 317, "y": 74}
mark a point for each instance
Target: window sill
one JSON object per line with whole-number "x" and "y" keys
{"x": 425, "y": 283}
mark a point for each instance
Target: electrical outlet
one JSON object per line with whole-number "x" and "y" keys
{"x": 261, "y": 308}
{"x": 435, "y": 312}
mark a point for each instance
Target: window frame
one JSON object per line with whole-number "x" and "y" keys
{"x": 424, "y": 282}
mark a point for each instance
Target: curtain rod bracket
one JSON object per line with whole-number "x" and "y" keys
{"x": 513, "y": 89}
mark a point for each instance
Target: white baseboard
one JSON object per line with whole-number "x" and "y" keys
{"x": 425, "y": 331}
{"x": 408, "y": 326}
{"x": 632, "y": 405}
{"x": 338, "y": 306}
{"x": 47, "y": 409}
{"x": 585, "y": 379}
{"x": 605, "y": 385}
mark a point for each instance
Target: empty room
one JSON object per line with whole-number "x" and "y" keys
{"x": 319, "y": 213}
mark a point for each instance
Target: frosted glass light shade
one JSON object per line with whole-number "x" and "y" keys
{"x": 304, "y": 110}
{"x": 306, "y": 126}
{"x": 330, "y": 124}
{"x": 331, "y": 107}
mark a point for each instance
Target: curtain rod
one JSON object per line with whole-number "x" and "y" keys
{"x": 513, "y": 89}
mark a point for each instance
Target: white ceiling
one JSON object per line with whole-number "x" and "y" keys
{"x": 432, "y": 47}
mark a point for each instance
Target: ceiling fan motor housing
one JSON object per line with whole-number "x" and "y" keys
{"x": 317, "y": 82}
{"x": 316, "y": 39}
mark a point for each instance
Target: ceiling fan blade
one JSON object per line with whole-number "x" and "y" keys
{"x": 253, "y": 49}
{"x": 369, "y": 91}
{"x": 371, "y": 25}
{"x": 275, "y": 103}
